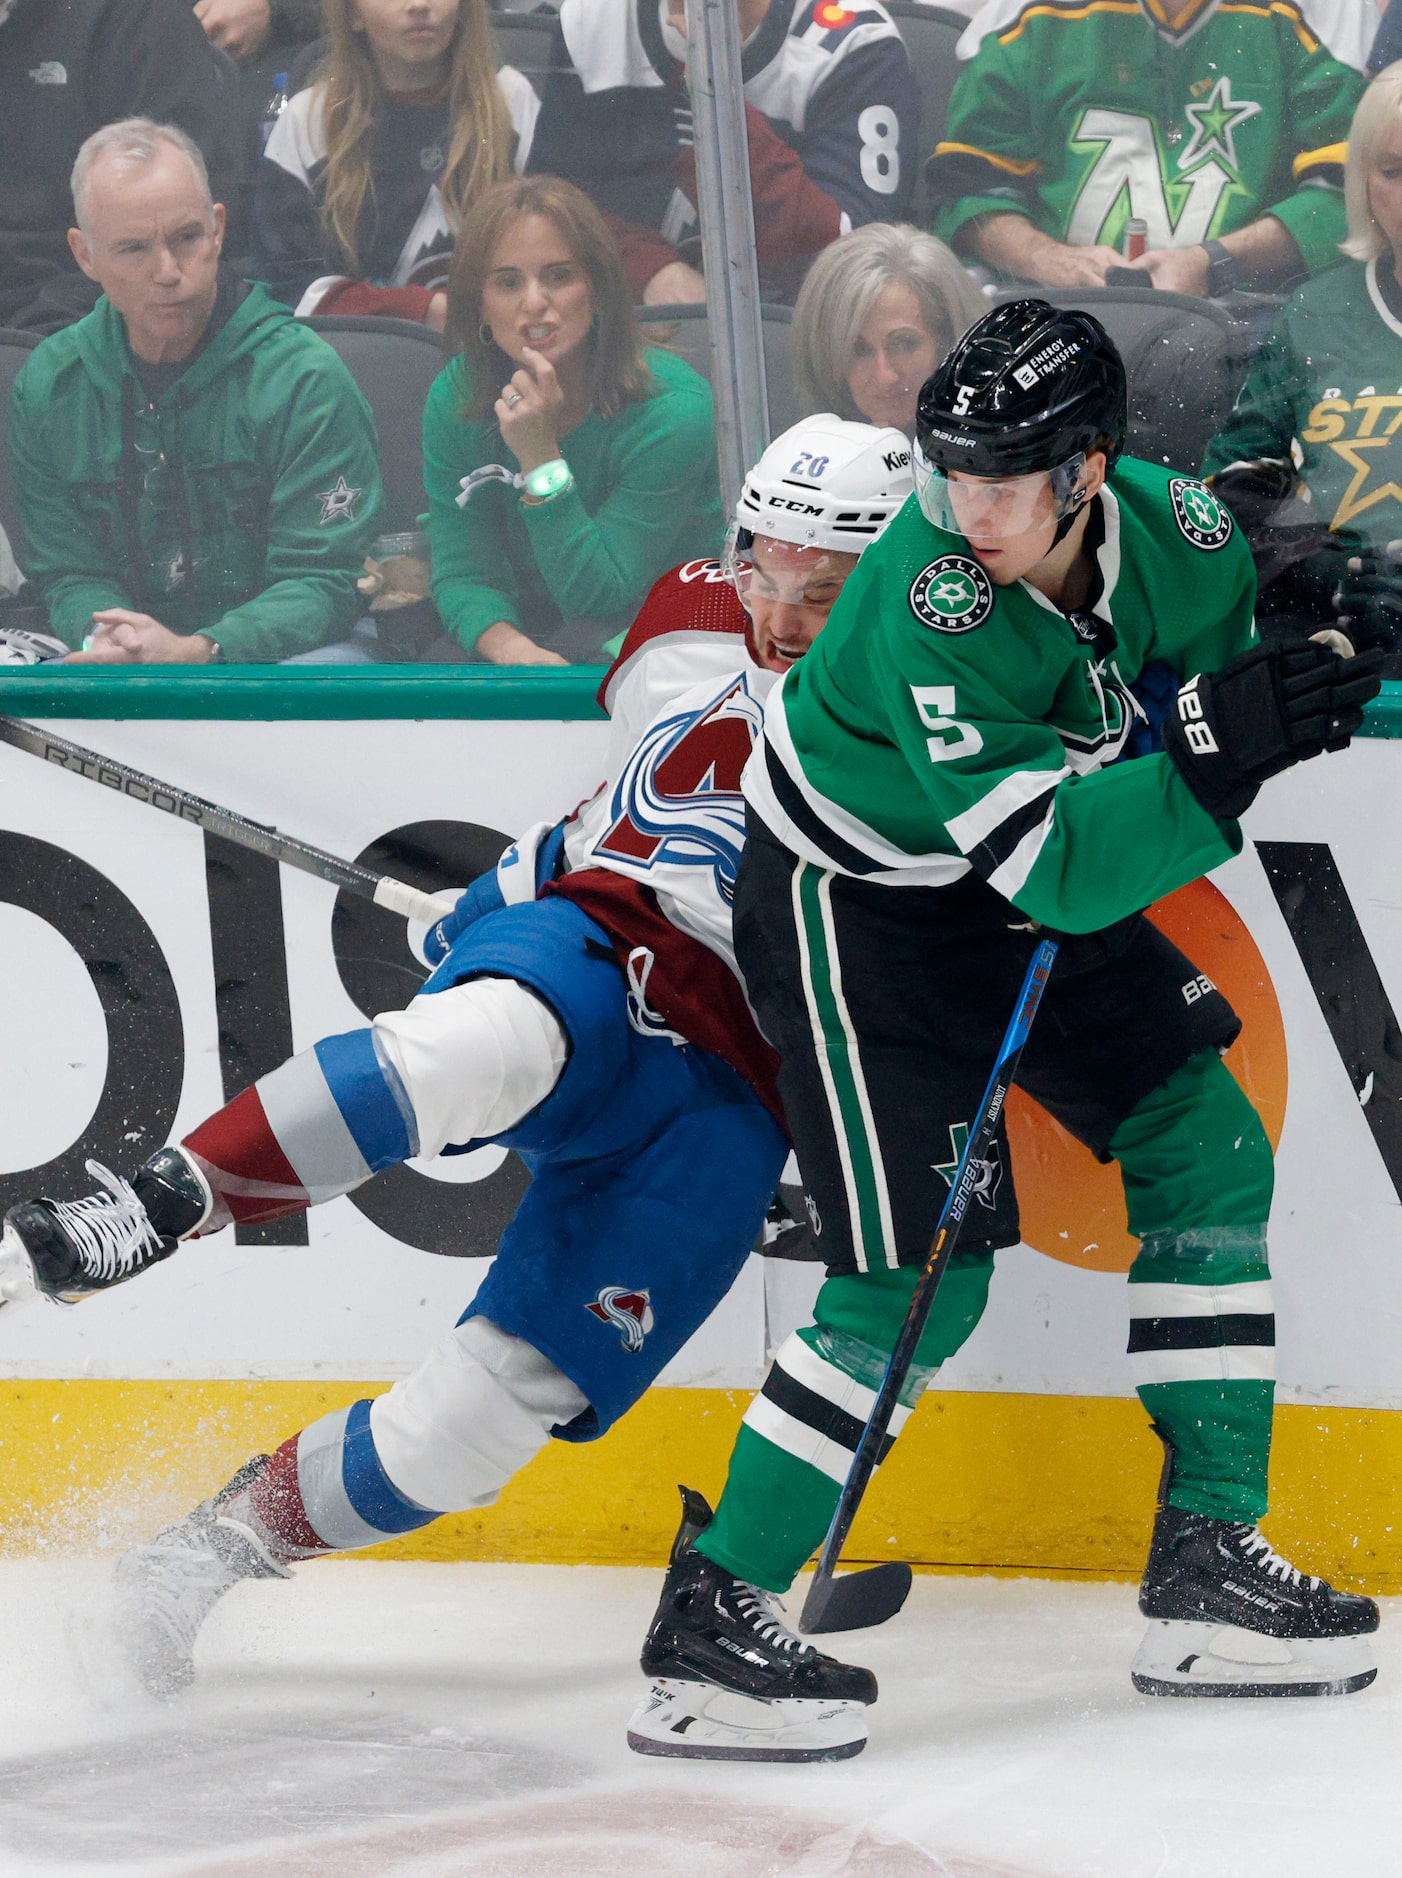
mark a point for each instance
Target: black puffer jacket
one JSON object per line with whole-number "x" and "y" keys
{"x": 66, "y": 68}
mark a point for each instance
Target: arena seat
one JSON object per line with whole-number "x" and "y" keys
{"x": 930, "y": 33}
{"x": 15, "y": 348}
{"x": 525, "y": 40}
{"x": 394, "y": 362}
{"x": 686, "y": 330}
{"x": 521, "y": 39}
{"x": 1185, "y": 359}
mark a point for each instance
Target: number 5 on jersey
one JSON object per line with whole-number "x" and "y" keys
{"x": 936, "y": 706}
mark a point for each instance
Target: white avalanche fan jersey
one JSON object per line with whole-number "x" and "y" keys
{"x": 654, "y": 855}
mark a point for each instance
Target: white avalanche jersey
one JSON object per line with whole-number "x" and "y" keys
{"x": 686, "y": 700}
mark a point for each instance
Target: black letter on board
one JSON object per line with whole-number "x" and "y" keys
{"x": 145, "y": 1037}
{"x": 1310, "y": 891}
{"x": 380, "y": 974}
{"x": 251, "y": 1002}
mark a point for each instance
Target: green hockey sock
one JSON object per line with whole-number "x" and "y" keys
{"x": 799, "y": 1435}
{"x": 1198, "y": 1176}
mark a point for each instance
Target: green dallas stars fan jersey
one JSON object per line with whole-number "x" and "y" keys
{"x": 1080, "y": 116}
{"x": 1330, "y": 379}
{"x": 940, "y": 723}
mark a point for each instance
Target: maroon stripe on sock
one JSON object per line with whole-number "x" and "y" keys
{"x": 276, "y": 1499}
{"x": 244, "y": 1163}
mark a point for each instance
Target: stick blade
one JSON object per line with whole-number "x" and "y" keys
{"x": 856, "y": 1601}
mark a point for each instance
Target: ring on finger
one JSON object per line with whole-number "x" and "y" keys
{"x": 511, "y": 398}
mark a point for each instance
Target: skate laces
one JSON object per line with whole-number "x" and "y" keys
{"x": 1264, "y": 1557}
{"x": 110, "y": 1231}
{"x": 178, "y": 1583}
{"x": 761, "y": 1611}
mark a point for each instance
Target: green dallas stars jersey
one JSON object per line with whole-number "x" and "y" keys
{"x": 940, "y": 723}
{"x": 1330, "y": 379}
{"x": 1080, "y": 116}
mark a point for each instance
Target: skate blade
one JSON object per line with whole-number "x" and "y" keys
{"x": 697, "y": 1721}
{"x": 17, "y": 1284}
{"x": 1179, "y": 1658}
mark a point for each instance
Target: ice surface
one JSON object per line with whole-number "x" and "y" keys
{"x": 463, "y": 1721}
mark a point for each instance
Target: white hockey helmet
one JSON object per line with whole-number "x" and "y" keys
{"x": 826, "y": 483}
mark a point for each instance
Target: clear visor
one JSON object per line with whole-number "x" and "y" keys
{"x": 761, "y": 567}
{"x": 986, "y": 509}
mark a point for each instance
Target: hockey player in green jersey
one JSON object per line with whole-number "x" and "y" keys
{"x": 1220, "y": 125}
{"x": 935, "y": 781}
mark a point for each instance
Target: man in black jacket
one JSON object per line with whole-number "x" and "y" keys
{"x": 250, "y": 29}
{"x": 67, "y": 67}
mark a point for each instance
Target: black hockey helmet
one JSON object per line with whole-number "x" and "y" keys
{"x": 1027, "y": 387}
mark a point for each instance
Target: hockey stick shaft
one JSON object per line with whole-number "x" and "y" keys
{"x": 395, "y": 895}
{"x": 952, "y": 1215}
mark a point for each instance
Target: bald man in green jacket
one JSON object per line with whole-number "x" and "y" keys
{"x": 197, "y": 473}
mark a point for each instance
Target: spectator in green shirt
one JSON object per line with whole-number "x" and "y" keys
{"x": 566, "y": 465}
{"x": 1312, "y": 452}
{"x": 1221, "y": 127}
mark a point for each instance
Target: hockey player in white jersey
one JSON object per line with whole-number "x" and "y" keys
{"x": 585, "y": 1011}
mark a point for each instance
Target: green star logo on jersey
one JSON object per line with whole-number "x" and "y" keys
{"x": 1215, "y": 123}
{"x": 990, "y": 1169}
{"x": 1198, "y": 513}
{"x": 951, "y": 595}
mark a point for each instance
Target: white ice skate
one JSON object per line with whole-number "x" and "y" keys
{"x": 699, "y": 1721}
{"x": 166, "y": 1590}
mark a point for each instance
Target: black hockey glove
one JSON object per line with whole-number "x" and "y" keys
{"x": 1280, "y": 529}
{"x": 1368, "y": 599}
{"x": 1274, "y": 706}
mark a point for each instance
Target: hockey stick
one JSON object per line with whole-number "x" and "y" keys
{"x": 870, "y": 1597}
{"x": 395, "y": 895}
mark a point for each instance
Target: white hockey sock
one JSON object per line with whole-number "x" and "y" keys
{"x": 473, "y": 1413}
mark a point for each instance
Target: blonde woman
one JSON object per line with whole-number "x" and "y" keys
{"x": 876, "y": 314}
{"x": 1325, "y": 397}
{"x": 567, "y": 467}
{"x": 369, "y": 171}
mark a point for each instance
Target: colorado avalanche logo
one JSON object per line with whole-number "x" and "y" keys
{"x": 630, "y": 1312}
{"x": 678, "y": 798}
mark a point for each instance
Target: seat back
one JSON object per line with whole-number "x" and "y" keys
{"x": 1184, "y": 359}
{"x": 686, "y": 330}
{"x": 930, "y": 33}
{"x": 524, "y": 40}
{"x": 394, "y": 362}
{"x": 15, "y": 348}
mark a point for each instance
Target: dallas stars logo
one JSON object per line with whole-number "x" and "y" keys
{"x": 1215, "y": 123}
{"x": 338, "y": 504}
{"x": 951, "y": 595}
{"x": 1198, "y": 513}
{"x": 1375, "y": 419}
{"x": 989, "y": 1170}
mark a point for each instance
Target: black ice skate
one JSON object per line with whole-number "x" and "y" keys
{"x": 166, "y": 1589}
{"x": 67, "y": 1249}
{"x": 733, "y": 1682}
{"x": 1228, "y": 1616}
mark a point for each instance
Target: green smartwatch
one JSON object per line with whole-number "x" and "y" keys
{"x": 549, "y": 479}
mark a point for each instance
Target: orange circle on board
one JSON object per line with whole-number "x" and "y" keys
{"x": 1073, "y": 1207}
